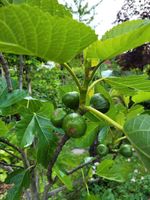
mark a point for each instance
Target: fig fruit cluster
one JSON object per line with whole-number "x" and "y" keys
{"x": 73, "y": 124}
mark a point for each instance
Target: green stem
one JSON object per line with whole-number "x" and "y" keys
{"x": 119, "y": 139}
{"x": 95, "y": 69}
{"x": 86, "y": 185}
{"x": 73, "y": 75}
{"x": 103, "y": 116}
{"x": 94, "y": 83}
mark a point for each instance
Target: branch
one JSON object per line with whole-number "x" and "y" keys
{"x": 64, "y": 139}
{"x": 81, "y": 166}
{"x": 21, "y": 66}
{"x": 10, "y": 144}
{"x": 34, "y": 189}
{"x": 23, "y": 155}
{"x": 6, "y": 71}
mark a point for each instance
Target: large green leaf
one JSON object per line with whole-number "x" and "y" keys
{"x": 20, "y": 180}
{"x": 51, "y": 6}
{"x": 122, "y": 38}
{"x": 138, "y": 132}
{"x": 130, "y": 83}
{"x": 30, "y": 31}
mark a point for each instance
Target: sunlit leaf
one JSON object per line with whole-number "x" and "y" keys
{"x": 30, "y": 31}
{"x": 121, "y": 38}
{"x": 51, "y": 6}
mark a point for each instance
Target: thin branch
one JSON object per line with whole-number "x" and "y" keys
{"x": 10, "y": 144}
{"x": 81, "y": 166}
{"x": 5, "y": 67}
{"x": 73, "y": 75}
{"x": 23, "y": 155}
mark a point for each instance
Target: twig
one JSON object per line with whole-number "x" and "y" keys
{"x": 23, "y": 155}
{"x": 10, "y": 144}
{"x": 81, "y": 166}
{"x": 6, "y": 71}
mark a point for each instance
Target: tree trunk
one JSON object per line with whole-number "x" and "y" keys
{"x": 5, "y": 68}
{"x": 21, "y": 66}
